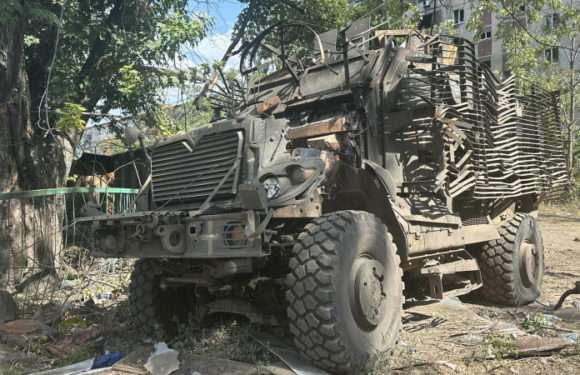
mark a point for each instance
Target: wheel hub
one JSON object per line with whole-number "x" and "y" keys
{"x": 528, "y": 263}
{"x": 369, "y": 292}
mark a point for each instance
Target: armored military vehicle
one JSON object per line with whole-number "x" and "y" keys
{"x": 379, "y": 166}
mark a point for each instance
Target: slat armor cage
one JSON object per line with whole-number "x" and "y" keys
{"x": 497, "y": 142}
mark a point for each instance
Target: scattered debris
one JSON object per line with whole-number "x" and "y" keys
{"x": 432, "y": 323}
{"x": 467, "y": 338}
{"x": 571, "y": 337}
{"x": 24, "y": 327}
{"x": 71, "y": 342}
{"x": 99, "y": 365}
{"x": 535, "y": 345}
{"x": 288, "y": 355}
{"x": 219, "y": 366}
{"x": 8, "y": 309}
{"x": 426, "y": 364}
{"x": 451, "y": 310}
{"x": 75, "y": 368}
{"x": 537, "y": 321}
{"x": 505, "y": 328}
{"x": 163, "y": 361}
{"x": 134, "y": 362}
{"x": 8, "y": 355}
{"x": 107, "y": 360}
{"x": 575, "y": 290}
{"x": 569, "y": 314}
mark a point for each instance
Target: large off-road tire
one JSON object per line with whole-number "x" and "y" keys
{"x": 345, "y": 291}
{"x": 153, "y": 310}
{"x": 513, "y": 266}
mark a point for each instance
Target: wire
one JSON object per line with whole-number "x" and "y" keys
{"x": 44, "y": 97}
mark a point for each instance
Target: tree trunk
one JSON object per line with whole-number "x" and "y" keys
{"x": 30, "y": 229}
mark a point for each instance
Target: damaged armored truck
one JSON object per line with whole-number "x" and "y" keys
{"x": 383, "y": 165}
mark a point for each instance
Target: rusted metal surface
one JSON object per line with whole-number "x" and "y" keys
{"x": 269, "y": 104}
{"x": 319, "y": 128}
{"x": 449, "y": 239}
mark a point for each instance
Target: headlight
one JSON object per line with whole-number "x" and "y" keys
{"x": 272, "y": 187}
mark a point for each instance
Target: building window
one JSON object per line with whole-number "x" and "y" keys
{"x": 551, "y": 21}
{"x": 458, "y": 16}
{"x": 485, "y": 35}
{"x": 552, "y": 55}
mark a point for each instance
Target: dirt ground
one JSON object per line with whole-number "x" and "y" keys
{"x": 463, "y": 336}
{"x": 453, "y": 337}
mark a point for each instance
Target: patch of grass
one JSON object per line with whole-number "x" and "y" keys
{"x": 230, "y": 340}
{"x": 536, "y": 322}
{"x": 498, "y": 345}
{"x": 82, "y": 354}
{"x": 569, "y": 207}
{"x": 402, "y": 359}
{"x": 10, "y": 370}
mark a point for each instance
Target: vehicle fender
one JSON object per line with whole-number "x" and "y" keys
{"x": 387, "y": 188}
{"x": 382, "y": 175}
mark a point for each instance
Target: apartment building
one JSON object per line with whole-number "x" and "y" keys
{"x": 490, "y": 48}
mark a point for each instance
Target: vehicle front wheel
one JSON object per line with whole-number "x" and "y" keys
{"x": 154, "y": 310}
{"x": 345, "y": 291}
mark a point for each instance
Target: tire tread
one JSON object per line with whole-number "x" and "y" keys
{"x": 310, "y": 294}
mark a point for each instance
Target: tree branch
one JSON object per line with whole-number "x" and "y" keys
{"x": 230, "y": 51}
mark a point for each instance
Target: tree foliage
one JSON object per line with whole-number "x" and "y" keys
{"x": 102, "y": 54}
{"x": 113, "y": 52}
{"x": 321, "y": 15}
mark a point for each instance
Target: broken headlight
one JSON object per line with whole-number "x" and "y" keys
{"x": 272, "y": 186}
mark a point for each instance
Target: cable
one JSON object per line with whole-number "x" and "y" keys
{"x": 44, "y": 97}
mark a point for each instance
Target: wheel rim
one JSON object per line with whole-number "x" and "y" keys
{"x": 529, "y": 261}
{"x": 369, "y": 304}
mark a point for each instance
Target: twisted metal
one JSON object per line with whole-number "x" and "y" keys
{"x": 497, "y": 142}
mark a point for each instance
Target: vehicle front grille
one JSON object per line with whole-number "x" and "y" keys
{"x": 186, "y": 174}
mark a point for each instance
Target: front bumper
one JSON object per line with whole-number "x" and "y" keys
{"x": 174, "y": 234}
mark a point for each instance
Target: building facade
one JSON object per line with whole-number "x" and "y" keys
{"x": 490, "y": 48}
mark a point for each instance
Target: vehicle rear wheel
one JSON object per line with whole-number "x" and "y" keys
{"x": 154, "y": 310}
{"x": 345, "y": 291}
{"x": 513, "y": 266}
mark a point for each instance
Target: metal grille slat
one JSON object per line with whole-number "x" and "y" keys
{"x": 186, "y": 173}
{"x": 173, "y": 167}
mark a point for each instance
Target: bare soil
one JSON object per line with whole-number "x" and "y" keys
{"x": 459, "y": 339}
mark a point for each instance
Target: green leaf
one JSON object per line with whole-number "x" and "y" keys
{"x": 70, "y": 117}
